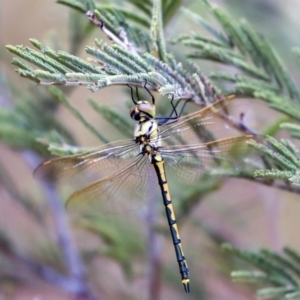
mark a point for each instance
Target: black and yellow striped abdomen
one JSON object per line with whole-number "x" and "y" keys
{"x": 159, "y": 167}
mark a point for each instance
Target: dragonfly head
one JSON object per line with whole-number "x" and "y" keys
{"x": 142, "y": 111}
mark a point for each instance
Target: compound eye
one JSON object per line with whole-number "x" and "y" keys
{"x": 135, "y": 116}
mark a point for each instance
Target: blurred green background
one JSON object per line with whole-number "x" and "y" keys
{"x": 241, "y": 212}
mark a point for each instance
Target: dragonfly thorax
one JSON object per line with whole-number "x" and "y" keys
{"x": 147, "y": 136}
{"x": 146, "y": 132}
{"x": 142, "y": 111}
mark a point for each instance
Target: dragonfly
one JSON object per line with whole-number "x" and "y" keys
{"x": 122, "y": 175}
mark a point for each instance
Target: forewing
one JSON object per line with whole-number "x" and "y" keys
{"x": 208, "y": 124}
{"x": 190, "y": 162}
{"x": 126, "y": 189}
{"x": 85, "y": 168}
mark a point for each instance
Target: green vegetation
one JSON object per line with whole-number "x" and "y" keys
{"x": 135, "y": 50}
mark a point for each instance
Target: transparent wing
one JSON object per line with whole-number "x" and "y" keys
{"x": 190, "y": 162}
{"x": 205, "y": 125}
{"x": 124, "y": 190}
{"x": 82, "y": 169}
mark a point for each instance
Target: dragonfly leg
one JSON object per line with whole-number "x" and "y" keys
{"x": 173, "y": 118}
{"x": 158, "y": 164}
{"x": 131, "y": 93}
{"x": 152, "y": 97}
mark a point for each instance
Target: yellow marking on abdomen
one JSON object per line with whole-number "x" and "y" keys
{"x": 158, "y": 163}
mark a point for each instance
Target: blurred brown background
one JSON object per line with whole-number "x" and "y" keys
{"x": 242, "y": 213}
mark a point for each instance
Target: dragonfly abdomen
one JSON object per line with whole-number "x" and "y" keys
{"x": 159, "y": 167}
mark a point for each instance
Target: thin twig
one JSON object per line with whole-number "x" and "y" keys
{"x": 285, "y": 187}
{"x": 122, "y": 40}
{"x": 76, "y": 282}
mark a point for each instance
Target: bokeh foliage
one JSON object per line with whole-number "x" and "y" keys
{"x": 137, "y": 53}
